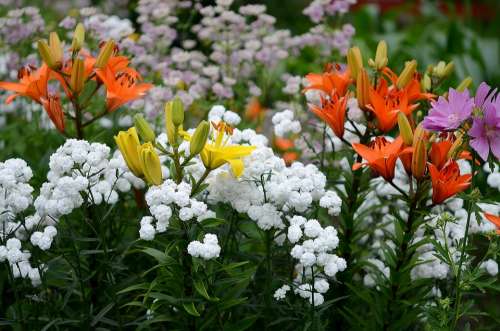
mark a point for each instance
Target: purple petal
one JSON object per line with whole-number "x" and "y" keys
{"x": 481, "y": 146}
{"x": 477, "y": 129}
{"x": 495, "y": 145}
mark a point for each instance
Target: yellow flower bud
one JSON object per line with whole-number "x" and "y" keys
{"x": 354, "y": 61}
{"x": 106, "y": 52}
{"x": 419, "y": 158}
{"x": 456, "y": 146}
{"x": 407, "y": 74}
{"x": 363, "y": 88}
{"x": 405, "y": 129}
{"x": 145, "y": 132}
{"x": 56, "y": 49}
{"x": 46, "y": 54}
{"x": 77, "y": 75}
{"x": 177, "y": 112}
{"x": 448, "y": 69}
{"x": 426, "y": 83}
{"x": 169, "y": 124}
{"x": 438, "y": 70}
{"x": 381, "y": 55}
{"x": 464, "y": 84}
{"x": 150, "y": 164}
{"x": 128, "y": 142}
{"x": 199, "y": 138}
{"x": 78, "y": 37}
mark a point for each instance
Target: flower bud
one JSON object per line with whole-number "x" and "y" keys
{"x": 448, "y": 69}
{"x": 456, "y": 146}
{"x": 425, "y": 83}
{"x": 199, "y": 138}
{"x": 78, "y": 37}
{"x": 128, "y": 142}
{"x": 177, "y": 112}
{"x": 363, "y": 88}
{"x": 381, "y": 55}
{"x": 56, "y": 49}
{"x": 354, "y": 61}
{"x": 419, "y": 158}
{"x": 405, "y": 129}
{"x": 464, "y": 84}
{"x": 169, "y": 124}
{"x": 46, "y": 54}
{"x": 77, "y": 79}
{"x": 145, "y": 132}
{"x": 407, "y": 74}
{"x": 150, "y": 164}
{"x": 105, "y": 53}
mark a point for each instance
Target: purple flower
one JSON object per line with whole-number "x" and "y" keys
{"x": 448, "y": 115}
{"x": 485, "y": 130}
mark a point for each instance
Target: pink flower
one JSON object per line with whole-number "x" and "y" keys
{"x": 448, "y": 115}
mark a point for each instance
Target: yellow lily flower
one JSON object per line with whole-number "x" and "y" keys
{"x": 217, "y": 152}
{"x": 128, "y": 142}
{"x": 150, "y": 163}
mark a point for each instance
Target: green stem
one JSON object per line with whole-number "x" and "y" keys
{"x": 200, "y": 181}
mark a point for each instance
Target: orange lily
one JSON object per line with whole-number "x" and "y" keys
{"x": 254, "y": 110}
{"x": 493, "y": 219}
{"x": 286, "y": 146}
{"x": 381, "y": 156}
{"x": 439, "y": 153}
{"x": 330, "y": 81}
{"x": 447, "y": 182}
{"x": 121, "y": 86}
{"x": 32, "y": 84}
{"x": 332, "y": 111}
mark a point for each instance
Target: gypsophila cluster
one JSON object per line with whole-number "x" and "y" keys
{"x": 219, "y": 113}
{"x": 284, "y": 123}
{"x": 170, "y": 199}
{"x": 207, "y": 250}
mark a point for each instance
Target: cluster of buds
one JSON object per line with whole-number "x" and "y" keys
{"x": 80, "y": 75}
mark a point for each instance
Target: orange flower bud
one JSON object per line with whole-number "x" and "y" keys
{"x": 363, "y": 88}
{"x": 354, "y": 61}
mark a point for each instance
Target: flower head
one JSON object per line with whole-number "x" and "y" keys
{"x": 381, "y": 155}
{"x": 218, "y": 151}
{"x": 330, "y": 81}
{"x": 485, "y": 130}
{"x": 447, "y": 182}
{"x": 448, "y": 115}
{"x": 32, "y": 84}
{"x": 332, "y": 111}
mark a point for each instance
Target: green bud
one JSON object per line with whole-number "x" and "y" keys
{"x": 106, "y": 52}
{"x": 407, "y": 74}
{"x": 177, "y": 112}
{"x": 169, "y": 124}
{"x": 405, "y": 129}
{"x": 78, "y": 38}
{"x": 381, "y": 55}
{"x": 426, "y": 83}
{"x": 199, "y": 138}
{"x": 145, "y": 132}
{"x": 464, "y": 84}
{"x": 56, "y": 49}
{"x": 46, "y": 54}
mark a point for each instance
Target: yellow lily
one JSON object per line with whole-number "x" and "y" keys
{"x": 150, "y": 164}
{"x": 128, "y": 142}
{"x": 217, "y": 152}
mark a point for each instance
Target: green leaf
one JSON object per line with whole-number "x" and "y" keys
{"x": 191, "y": 309}
{"x": 212, "y": 222}
{"x": 202, "y": 290}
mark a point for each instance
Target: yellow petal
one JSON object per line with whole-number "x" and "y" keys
{"x": 237, "y": 166}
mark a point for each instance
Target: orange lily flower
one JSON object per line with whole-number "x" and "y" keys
{"x": 332, "y": 111}
{"x": 493, "y": 219}
{"x": 447, "y": 182}
{"x": 122, "y": 86}
{"x": 254, "y": 110}
{"x": 381, "y": 156}
{"x": 439, "y": 153}
{"x": 32, "y": 84}
{"x": 330, "y": 81}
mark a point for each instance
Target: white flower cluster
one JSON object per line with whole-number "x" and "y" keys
{"x": 78, "y": 172}
{"x": 163, "y": 199}
{"x": 80, "y": 167}
{"x": 376, "y": 266}
{"x": 14, "y": 188}
{"x": 219, "y": 113}
{"x": 19, "y": 261}
{"x": 283, "y": 123}
{"x": 490, "y": 266}
{"x": 208, "y": 249}
{"x": 332, "y": 202}
{"x": 313, "y": 249}
{"x": 493, "y": 179}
